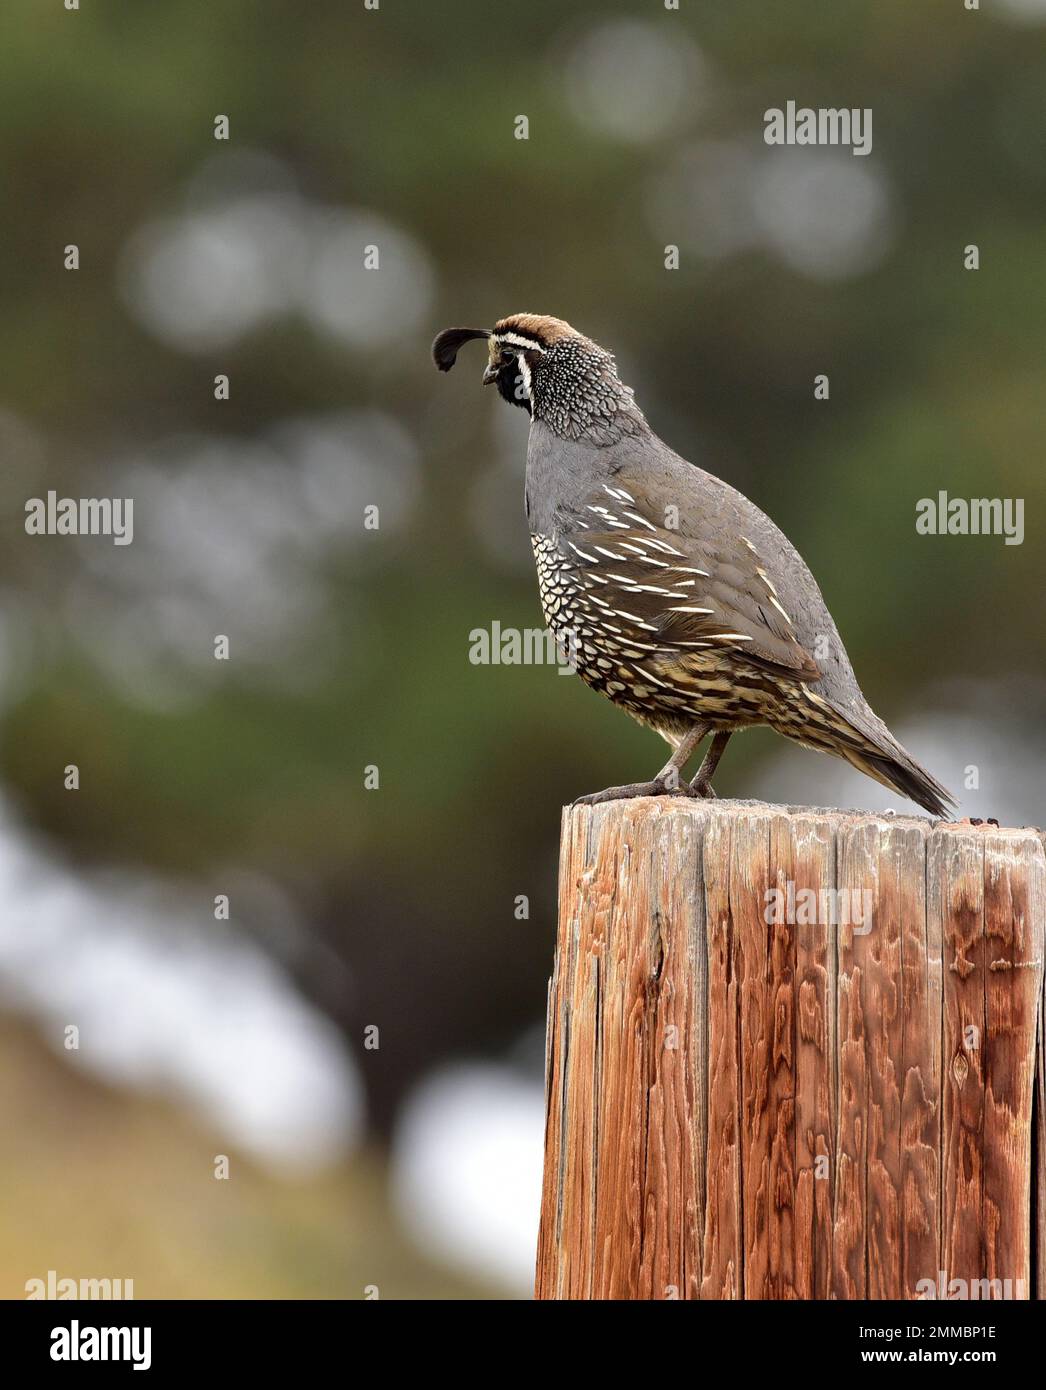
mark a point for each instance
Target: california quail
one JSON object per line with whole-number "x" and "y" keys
{"x": 680, "y": 600}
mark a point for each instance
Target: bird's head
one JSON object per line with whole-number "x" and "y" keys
{"x": 516, "y": 347}
{"x": 543, "y": 365}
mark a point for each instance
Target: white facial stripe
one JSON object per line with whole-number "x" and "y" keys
{"x": 518, "y": 341}
{"x": 524, "y": 371}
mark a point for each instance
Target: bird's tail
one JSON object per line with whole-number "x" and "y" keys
{"x": 861, "y": 737}
{"x": 901, "y": 773}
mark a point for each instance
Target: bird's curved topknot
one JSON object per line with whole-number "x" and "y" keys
{"x": 446, "y": 344}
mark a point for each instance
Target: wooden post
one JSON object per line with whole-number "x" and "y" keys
{"x": 791, "y": 1054}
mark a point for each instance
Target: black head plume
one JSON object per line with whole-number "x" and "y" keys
{"x": 445, "y": 348}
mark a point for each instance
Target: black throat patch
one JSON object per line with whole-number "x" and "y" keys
{"x": 512, "y": 386}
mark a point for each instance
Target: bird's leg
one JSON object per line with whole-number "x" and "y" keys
{"x": 669, "y": 774}
{"x": 702, "y": 783}
{"x": 666, "y": 783}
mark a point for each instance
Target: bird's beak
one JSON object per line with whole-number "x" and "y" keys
{"x": 490, "y": 375}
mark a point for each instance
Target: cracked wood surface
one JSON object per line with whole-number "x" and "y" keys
{"x": 827, "y": 1105}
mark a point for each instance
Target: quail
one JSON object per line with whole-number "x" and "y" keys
{"x": 676, "y": 596}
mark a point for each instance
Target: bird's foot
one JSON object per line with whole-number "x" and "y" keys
{"x": 658, "y": 787}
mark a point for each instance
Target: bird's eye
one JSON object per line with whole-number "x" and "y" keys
{"x": 506, "y": 355}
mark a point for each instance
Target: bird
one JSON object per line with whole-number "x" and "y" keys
{"x": 675, "y": 595}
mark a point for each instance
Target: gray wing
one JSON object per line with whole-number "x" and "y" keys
{"x": 688, "y": 589}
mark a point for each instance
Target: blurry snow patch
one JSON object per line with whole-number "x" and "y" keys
{"x": 201, "y": 280}
{"x": 363, "y": 307}
{"x": 827, "y": 216}
{"x": 235, "y": 537}
{"x": 632, "y": 80}
{"x": 467, "y": 1164}
{"x": 234, "y": 258}
{"x": 167, "y": 1003}
{"x": 824, "y": 214}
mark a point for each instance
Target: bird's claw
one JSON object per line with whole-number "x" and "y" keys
{"x": 658, "y": 787}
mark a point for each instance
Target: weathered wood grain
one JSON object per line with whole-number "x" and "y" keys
{"x": 852, "y": 1086}
{"x": 792, "y": 1054}
{"x": 922, "y": 1010}
{"x": 1014, "y": 893}
{"x": 716, "y": 1033}
{"x": 807, "y": 857}
{"x": 956, "y": 892}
